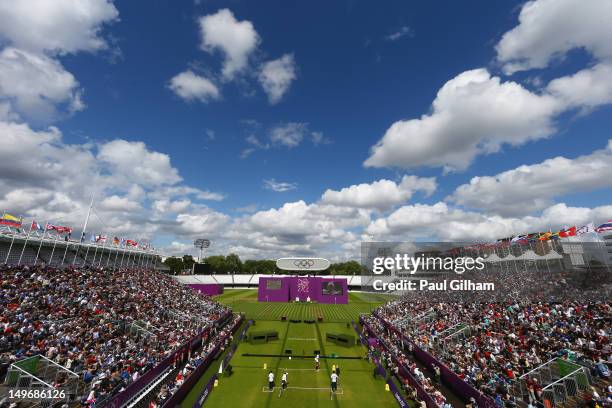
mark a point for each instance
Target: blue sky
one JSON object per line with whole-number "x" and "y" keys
{"x": 139, "y": 101}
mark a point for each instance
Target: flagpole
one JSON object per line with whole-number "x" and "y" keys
{"x": 65, "y": 252}
{"x": 117, "y": 254}
{"x": 96, "y": 251}
{"x": 122, "y": 256}
{"x": 110, "y": 253}
{"x": 53, "y": 250}
{"x": 41, "y": 242}
{"x": 86, "y": 252}
{"x": 102, "y": 252}
{"x": 87, "y": 218}
{"x": 12, "y": 240}
{"x": 24, "y": 246}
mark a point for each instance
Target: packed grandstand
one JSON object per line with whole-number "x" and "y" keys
{"x": 135, "y": 336}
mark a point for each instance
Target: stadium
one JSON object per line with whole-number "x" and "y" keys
{"x": 100, "y": 330}
{"x": 289, "y": 204}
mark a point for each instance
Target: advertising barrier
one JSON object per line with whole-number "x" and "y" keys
{"x": 404, "y": 373}
{"x": 138, "y": 385}
{"x": 210, "y": 384}
{"x": 448, "y": 377}
{"x": 191, "y": 381}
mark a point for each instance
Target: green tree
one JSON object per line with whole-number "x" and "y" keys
{"x": 233, "y": 263}
{"x": 188, "y": 262}
{"x": 175, "y": 264}
{"x": 217, "y": 263}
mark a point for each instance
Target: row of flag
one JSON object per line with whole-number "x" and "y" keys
{"x": 50, "y": 227}
{"x": 563, "y": 233}
{"x": 120, "y": 242}
{"x": 11, "y": 221}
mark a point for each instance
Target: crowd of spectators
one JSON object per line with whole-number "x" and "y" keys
{"x": 491, "y": 344}
{"x": 219, "y": 342}
{"x": 109, "y": 326}
{"x": 394, "y": 354}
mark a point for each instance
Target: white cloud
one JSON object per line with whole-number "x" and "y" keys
{"x": 276, "y": 77}
{"x": 200, "y": 221}
{"x": 548, "y": 29}
{"x": 137, "y": 163}
{"x": 288, "y": 134}
{"x": 442, "y": 222}
{"x": 117, "y": 203}
{"x": 133, "y": 186}
{"x": 403, "y": 31}
{"x": 191, "y": 86}
{"x": 381, "y": 194}
{"x": 531, "y": 188}
{"x": 297, "y": 228}
{"x": 254, "y": 141}
{"x": 279, "y": 186}
{"x": 58, "y": 26}
{"x": 36, "y": 86}
{"x": 318, "y": 138}
{"x": 46, "y": 178}
{"x": 247, "y": 152}
{"x": 473, "y": 113}
{"x": 585, "y": 89}
{"x": 236, "y": 39}
{"x": 33, "y": 83}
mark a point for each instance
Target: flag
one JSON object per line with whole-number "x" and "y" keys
{"x": 519, "y": 239}
{"x": 10, "y": 221}
{"x": 585, "y": 229}
{"x": 116, "y": 241}
{"x": 10, "y": 217}
{"x": 59, "y": 229}
{"x": 100, "y": 238}
{"x": 568, "y": 232}
{"x": 604, "y": 227}
{"x": 36, "y": 226}
{"x": 122, "y": 243}
{"x": 93, "y": 238}
{"x": 130, "y": 242}
{"x": 545, "y": 236}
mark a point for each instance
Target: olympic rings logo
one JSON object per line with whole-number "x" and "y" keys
{"x": 304, "y": 263}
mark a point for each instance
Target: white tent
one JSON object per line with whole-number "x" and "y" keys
{"x": 493, "y": 258}
{"x": 552, "y": 255}
{"x": 529, "y": 255}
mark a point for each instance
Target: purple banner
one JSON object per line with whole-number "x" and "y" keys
{"x": 398, "y": 396}
{"x": 135, "y": 387}
{"x": 209, "y": 386}
{"x": 273, "y": 289}
{"x": 192, "y": 380}
{"x": 303, "y": 288}
{"x": 206, "y": 392}
{"x": 404, "y": 372}
{"x": 210, "y": 289}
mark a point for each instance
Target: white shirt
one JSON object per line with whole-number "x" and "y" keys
{"x": 284, "y": 377}
{"x": 271, "y": 377}
{"x": 317, "y": 358}
{"x": 334, "y": 377}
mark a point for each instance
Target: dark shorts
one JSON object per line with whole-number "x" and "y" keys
{"x": 334, "y": 386}
{"x": 271, "y": 384}
{"x": 284, "y": 384}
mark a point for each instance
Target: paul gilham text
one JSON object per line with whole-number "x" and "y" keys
{"x": 425, "y": 285}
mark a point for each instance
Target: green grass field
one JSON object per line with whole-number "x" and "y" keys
{"x": 248, "y": 386}
{"x": 245, "y": 301}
